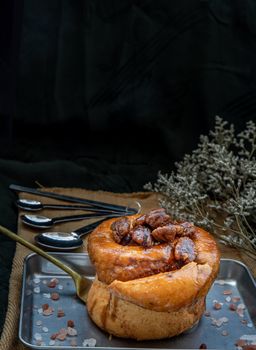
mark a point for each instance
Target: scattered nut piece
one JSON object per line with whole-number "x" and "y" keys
{"x": 71, "y": 323}
{"x": 61, "y": 336}
{"x": 232, "y": 307}
{"x": 54, "y": 336}
{"x": 203, "y": 346}
{"x": 227, "y": 292}
{"x": 55, "y": 296}
{"x": 48, "y": 312}
{"x": 53, "y": 283}
{"x": 217, "y": 306}
{"x": 60, "y": 313}
{"x": 249, "y": 347}
{"x": 45, "y": 306}
{"x": 240, "y": 343}
{"x": 235, "y": 299}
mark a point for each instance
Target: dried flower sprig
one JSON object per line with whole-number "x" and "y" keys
{"x": 215, "y": 185}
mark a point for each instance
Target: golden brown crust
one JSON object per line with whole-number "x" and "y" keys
{"x": 124, "y": 263}
{"x": 143, "y": 283}
{"x": 167, "y": 291}
{"x": 207, "y": 250}
{"x": 114, "y": 261}
{"x": 124, "y": 319}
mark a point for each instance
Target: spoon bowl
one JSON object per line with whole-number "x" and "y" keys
{"x": 35, "y": 205}
{"x": 82, "y": 284}
{"x": 40, "y": 221}
{"x": 29, "y": 204}
{"x": 59, "y": 240}
{"x": 37, "y": 221}
{"x": 65, "y": 241}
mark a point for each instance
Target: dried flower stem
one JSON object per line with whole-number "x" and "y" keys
{"x": 215, "y": 186}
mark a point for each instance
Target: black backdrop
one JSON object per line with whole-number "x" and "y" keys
{"x": 102, "y": 94}
{"x": 159, "y": 70}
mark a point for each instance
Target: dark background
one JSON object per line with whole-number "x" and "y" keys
{"x": 101, "y": 94}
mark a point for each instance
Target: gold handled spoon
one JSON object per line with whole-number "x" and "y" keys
{"x": 82, "y": 284}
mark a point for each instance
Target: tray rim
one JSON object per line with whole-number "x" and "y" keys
{"x": 48, "y": 347}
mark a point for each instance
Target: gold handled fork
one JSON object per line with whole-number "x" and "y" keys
{"x": 82, "y": 283}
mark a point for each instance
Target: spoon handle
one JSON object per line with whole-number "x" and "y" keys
{"x": 39, "y": 251}
{"x": 72, "y": 199}
{"x": 80, "y": 217}
{"x": 88, "y": 228}
{"x": 79, "y": 207}
{"x": 32, "y": 205}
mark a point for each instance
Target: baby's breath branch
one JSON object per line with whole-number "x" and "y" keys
{"x": 215, "y": 185}
{"x": 249, "y": 251}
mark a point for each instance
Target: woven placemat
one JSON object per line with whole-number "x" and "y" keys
{"x": 9, "y": 339}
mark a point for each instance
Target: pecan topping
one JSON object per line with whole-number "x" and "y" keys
{"x": 157, "y": 217}
{"x": 141, "y": 220}
{"x": 166, "y": 233}
{"x": 120, "y": 229}
{"x": 188, "y": 228}
{"x": 156, "y": 227}
{"x": 127, "y": 239}
{"x": 142, "y": 236}
{"x": 185, "y": 250}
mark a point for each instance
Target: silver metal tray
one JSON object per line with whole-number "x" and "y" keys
{"x": 35, "y": 329}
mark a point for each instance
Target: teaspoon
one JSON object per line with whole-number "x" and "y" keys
{"x": 40, "y": 221}
{"x": 66, "y": 198}
{"x": 34, "y": 205}
{"x": 82, "y": 283}
{"x": 65, "y": 241}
